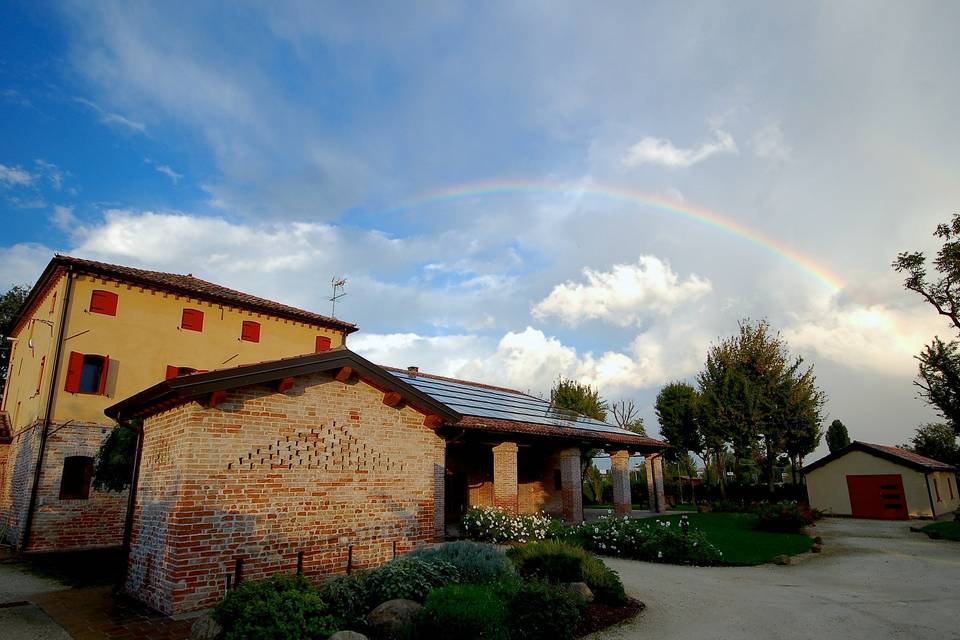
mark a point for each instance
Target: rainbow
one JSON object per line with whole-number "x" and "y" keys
{"x": 700, "y": 215}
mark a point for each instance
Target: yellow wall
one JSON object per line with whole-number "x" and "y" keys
{"x": 827, "y": 485}
{"x": 141, "y": 340}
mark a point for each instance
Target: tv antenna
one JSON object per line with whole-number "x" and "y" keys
{"x": 338, "y": 284}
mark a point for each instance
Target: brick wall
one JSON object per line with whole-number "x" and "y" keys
{"x": 58, "y": 524}
{"x": 265, "y": 475}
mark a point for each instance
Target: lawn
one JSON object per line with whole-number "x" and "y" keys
{"x": 943, "y": 530}
{"x": 736, "y": 535}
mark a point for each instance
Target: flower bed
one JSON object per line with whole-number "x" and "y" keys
{"x": 652, "y": 540}
{"x": 490, "y": 524}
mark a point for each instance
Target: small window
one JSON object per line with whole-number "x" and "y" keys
{"x": 250, "y": 331}
{"x": 177, "y": 372}
{"x": 87, "y": 373}
{"x": 557, "y": 480}
{"x": 104, "y": 302}
{"x": 192, "y": 320}
{"x": 75, "y": 482}
{"x": 323, "y": 344}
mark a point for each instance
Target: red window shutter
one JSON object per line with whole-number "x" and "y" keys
{"x": 192, "y": 320}
{"x": 323, "y": 343}
{"x": 104, "y": 302}
{"x": 74, "y": 369}
{"x": 171, "y": 372}
{"x": 250, "y": 331}
{"x": 101, "y": 390}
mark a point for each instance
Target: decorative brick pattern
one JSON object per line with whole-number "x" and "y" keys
{"x": 570, "y": 477}
{"x": 335, "y": 480}
{"x": 620, "y": 470}
{"x": 505, "y": 495}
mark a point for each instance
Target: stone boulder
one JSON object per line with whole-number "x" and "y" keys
{"x": 580, "y": 591}
{"x": 786, "y": 560}
{"x": 347, "y": 635}
{"x": 205, "y": 628}
{"x": 389, "y": 618}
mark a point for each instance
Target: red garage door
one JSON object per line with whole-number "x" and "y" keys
{"x": 877, "y": 497}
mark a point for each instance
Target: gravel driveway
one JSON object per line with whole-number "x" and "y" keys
{"x": 874, "y": 580}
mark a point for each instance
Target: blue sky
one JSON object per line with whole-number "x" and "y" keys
{"x": 273, "y": 146}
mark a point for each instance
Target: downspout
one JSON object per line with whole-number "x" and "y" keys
{"x": 25, "y": 538}
{"x": 933, "y": 509}
{"x": 132, "y": 496}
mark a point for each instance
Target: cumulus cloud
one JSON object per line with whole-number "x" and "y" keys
{"x": 623, "y": 296}
{"x": 15, "y": 176}
{"x": 63, "y": 218}
{"x": 21, "y": 264}
{"x": 660, "y": 151}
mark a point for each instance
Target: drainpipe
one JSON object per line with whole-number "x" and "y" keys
{"x": 132, "y": 496}
{"x": 933, "y": 509}
{"x": 25, "y": 538}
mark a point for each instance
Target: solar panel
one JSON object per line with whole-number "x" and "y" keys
{"x": 498, "y": 404}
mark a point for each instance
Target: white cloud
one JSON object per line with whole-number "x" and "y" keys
{"x": 108, "y": 117}
{"x": 625, "y": 295}
{"x": 165, "y": 169}
{"x": 15, "y": 176}
{"x": 52, "y": 172}
{"x": 63, "y": 218}
{"x": 769, "y": 143}
{"x": 21, "y": 264}
{"x": 651, "y": 150}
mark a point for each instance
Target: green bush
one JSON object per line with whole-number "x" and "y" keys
{"x": 465, "y": 612}
{"x": 491, "y": 524}
{"x": 408, "y": 578}
{"x": 346, "y": 598}
{"x": 653, "y": 540}
{"x": 538, "y": 610}
{"x": 281, "y": 606}
{"x": 784, "y": 517}
{"x": 477, "y": 563}
{"x": 559, "y": 562}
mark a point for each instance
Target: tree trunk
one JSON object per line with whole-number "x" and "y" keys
{"x": 770, "y": 466}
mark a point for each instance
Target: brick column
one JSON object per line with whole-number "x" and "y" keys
{"x": 620, "y": 470}
{"x": 505, "y": 477}
{"x": 571, "y": 485}
{"x": 658, "y": 501}
{"x": 440, "y": 492}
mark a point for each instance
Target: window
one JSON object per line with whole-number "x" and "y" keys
{"x": 250, "y": 331}
{"x": 192, "y": 320}
{"x": 176, "y": 372}
{"x": 104, "y": 302}
{"x": 87, "y": 373}
{"x": 323, "y": 343}
{"x": 43, "y": 363}
{"x": 75, "y": 482}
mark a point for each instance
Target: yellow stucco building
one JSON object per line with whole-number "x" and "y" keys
{"x": 91, "y": 334}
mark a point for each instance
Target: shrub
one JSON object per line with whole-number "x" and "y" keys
{"x": 784, "y": 517}
{"x": 655, "y": 540}
{"x": 408, "y": 578}
{"x": 346, "y": 598}
{"x": 540, "y": 611}
{"x": 282, "y": 606}
{"x": 491, "y": 524}
{"x": 728, "y": 506}
{"x": 467, "y": 612}
{"x": 558, "y": 562}
{"x": 476, "y": 563}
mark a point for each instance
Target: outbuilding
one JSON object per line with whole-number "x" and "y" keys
{"x": 866, "y": 480}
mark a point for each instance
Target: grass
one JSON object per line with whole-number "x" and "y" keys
{"x": 943, "y": 530}
{"x": 736, "y": 535}
{"x": 683, "y": 507}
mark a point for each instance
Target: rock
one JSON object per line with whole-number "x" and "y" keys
{"x": 785, "y": 559}
{"x": 816, "y": 548}
{"x": 580, "y": 591}
{"x": 347, "y": 635}
{"x": 205, "y": 628}
{"x": 389, "y": 618}
{"x": 818, "y": 540}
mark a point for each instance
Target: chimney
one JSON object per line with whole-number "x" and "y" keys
{"x": 413, "y": 370}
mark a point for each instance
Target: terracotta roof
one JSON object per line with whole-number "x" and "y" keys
{"x": 894, "y": 454}
{"x": 192, "y": 286}
{"x": 513, "y": 426}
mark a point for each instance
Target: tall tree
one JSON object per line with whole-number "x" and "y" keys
{"x": 676, "y": 408}
{"x": 837, "y": 436}
{"x": 937, "y": 441}
{"x": 570, "y": 395}
{"x": 802, "y": 403}
{"x": 627, "y": 416}
{"x": 10, "y": 303}
{"x": 939, "y": 372}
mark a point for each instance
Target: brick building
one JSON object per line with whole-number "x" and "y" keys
{"x": 91, "y": 334}
{"x": 317, "y": 462}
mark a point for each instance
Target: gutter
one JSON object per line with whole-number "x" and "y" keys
{"x": 25, "y": 538}
{"x": 933, "y": 509}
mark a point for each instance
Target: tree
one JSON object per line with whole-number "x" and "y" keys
{"x": 937, "y": 441}
{"x": 593, "y": 484}
{"x": 627, "y": 416}
{"x": 837, "y": 436}
{"x": 10, "y": 303}
{"x": 939, "y": 372}
{"x": 113, "y": 468}
{"x": 676, "y": 408}
{"x": 571, "y": 395}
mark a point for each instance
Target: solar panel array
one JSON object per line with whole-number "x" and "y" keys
{"x": 471, "y": 400}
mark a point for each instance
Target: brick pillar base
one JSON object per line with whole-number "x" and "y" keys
{"x": 505, "y": 494}
{"x": 620, "y": 463}
{"x": 571, "y": 485}
{"x": 658, "y": 501}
